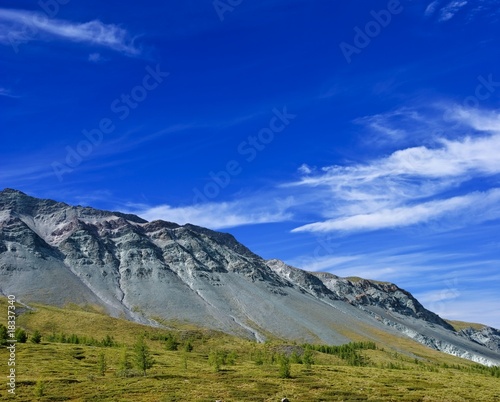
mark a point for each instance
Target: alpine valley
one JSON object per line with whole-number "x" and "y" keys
{"x": 160, "y": 272}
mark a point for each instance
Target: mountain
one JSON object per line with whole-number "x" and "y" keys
{"x": 161, "y": 272}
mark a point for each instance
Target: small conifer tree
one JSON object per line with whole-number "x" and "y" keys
{"x": 36, "y": 337}
{"x": 21, "y": 335}
{"x": 285, "y": 367}
{"x": 143, "y": 358}
{"x": 4, "y": 334}
{"x": 101, "y": 364}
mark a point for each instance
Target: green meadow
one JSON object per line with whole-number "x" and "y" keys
{"x": 84, "y": 355}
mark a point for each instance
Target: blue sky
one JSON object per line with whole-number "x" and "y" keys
{"x": 360, "y": 138}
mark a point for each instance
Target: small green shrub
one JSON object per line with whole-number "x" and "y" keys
{"x": 284, "y": 367}
{"x": 36, "y": 337}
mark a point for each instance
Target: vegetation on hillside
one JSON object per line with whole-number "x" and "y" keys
{"x": 87, "y": 356}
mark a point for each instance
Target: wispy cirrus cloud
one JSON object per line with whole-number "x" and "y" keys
{"x": 449, "y": 11}
{"x": 413, "y": 185}
{"x": 432, "y": 7}
{"x": 391, "y": 128}
{"x": 390, "y": 218}
{"x": 7, "y": 93}
{"x": 445, "y": 11}
{"x": 22, "y": 26}
{"x": 217, "y": 215}
{"x": 319, "y": 264}
{"x": 96, "y": 58}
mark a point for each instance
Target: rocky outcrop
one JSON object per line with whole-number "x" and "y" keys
{"x": 487, "y": 336}
{"x": 388, "y": 296}
{"x": 304, "y": 280}
{"x": 358, "y": 292}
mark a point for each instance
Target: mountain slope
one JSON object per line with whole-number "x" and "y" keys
{"x": 149, "y": 272}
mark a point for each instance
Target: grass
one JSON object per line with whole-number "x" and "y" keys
{"x": 459, "y": 325}
{"x": 51, "y": 371}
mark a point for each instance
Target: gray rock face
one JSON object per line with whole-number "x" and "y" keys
{"x": 388, "y": 296}
{"x": 54, "y": 253}
{"x": 487, "y": 336}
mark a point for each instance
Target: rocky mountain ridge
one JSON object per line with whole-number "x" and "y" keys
{"x": 158, "y": 271}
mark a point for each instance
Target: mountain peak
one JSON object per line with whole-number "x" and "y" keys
{"x": 11, "y": 191}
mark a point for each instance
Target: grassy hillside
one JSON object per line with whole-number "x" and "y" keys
{"x": 221, "y": 367}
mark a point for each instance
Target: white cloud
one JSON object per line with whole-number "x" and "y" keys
{"x": 411, "y": 267}
{"x": 217, "y": 215}
{"x": 320, "y": 263}
{"x": 409, "y": 186}
{"x": 7, "y": 93}
{"x": 21, "y": 26}
{"x": 449, "y": 11}
{"x": 95, "y": 57}
{"x": 477, "y": 9}
{"x": 431, "y": 8}
{"x": 392, "y": 128}
{"x": 417, "y": 172}
{"x": 440, "y": 295}
{"x": 412, "y": 215}
{"x": 305, "y": 169}
{"x": 477, "y": 119}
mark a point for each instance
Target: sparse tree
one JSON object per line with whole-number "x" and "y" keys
{"x": 108, "y": 341}
{"x": 4, "y": 334}
{"x": 188, "y": 346}
{"x": 231, "y": 358}
{"x": 215, "y": 359}
{"x": 39, "y": 390}
{"x": 73, "y": 338}
{"x": 125, "y": 364}
{"x": 307, "y": 358}
{"x": 285, "y": 367}
{"x": 101, "y": 363}
{"x": 143, "y": 358}
{"x": 171, "y": 342}
{"x": 36, "y": 337}
{"x": 295, "y": 358}
{"x": 21, "y": 335}
{"x": 258, "y": 357}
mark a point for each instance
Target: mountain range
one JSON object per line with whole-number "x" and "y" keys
{"x": 161, "y": 273}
